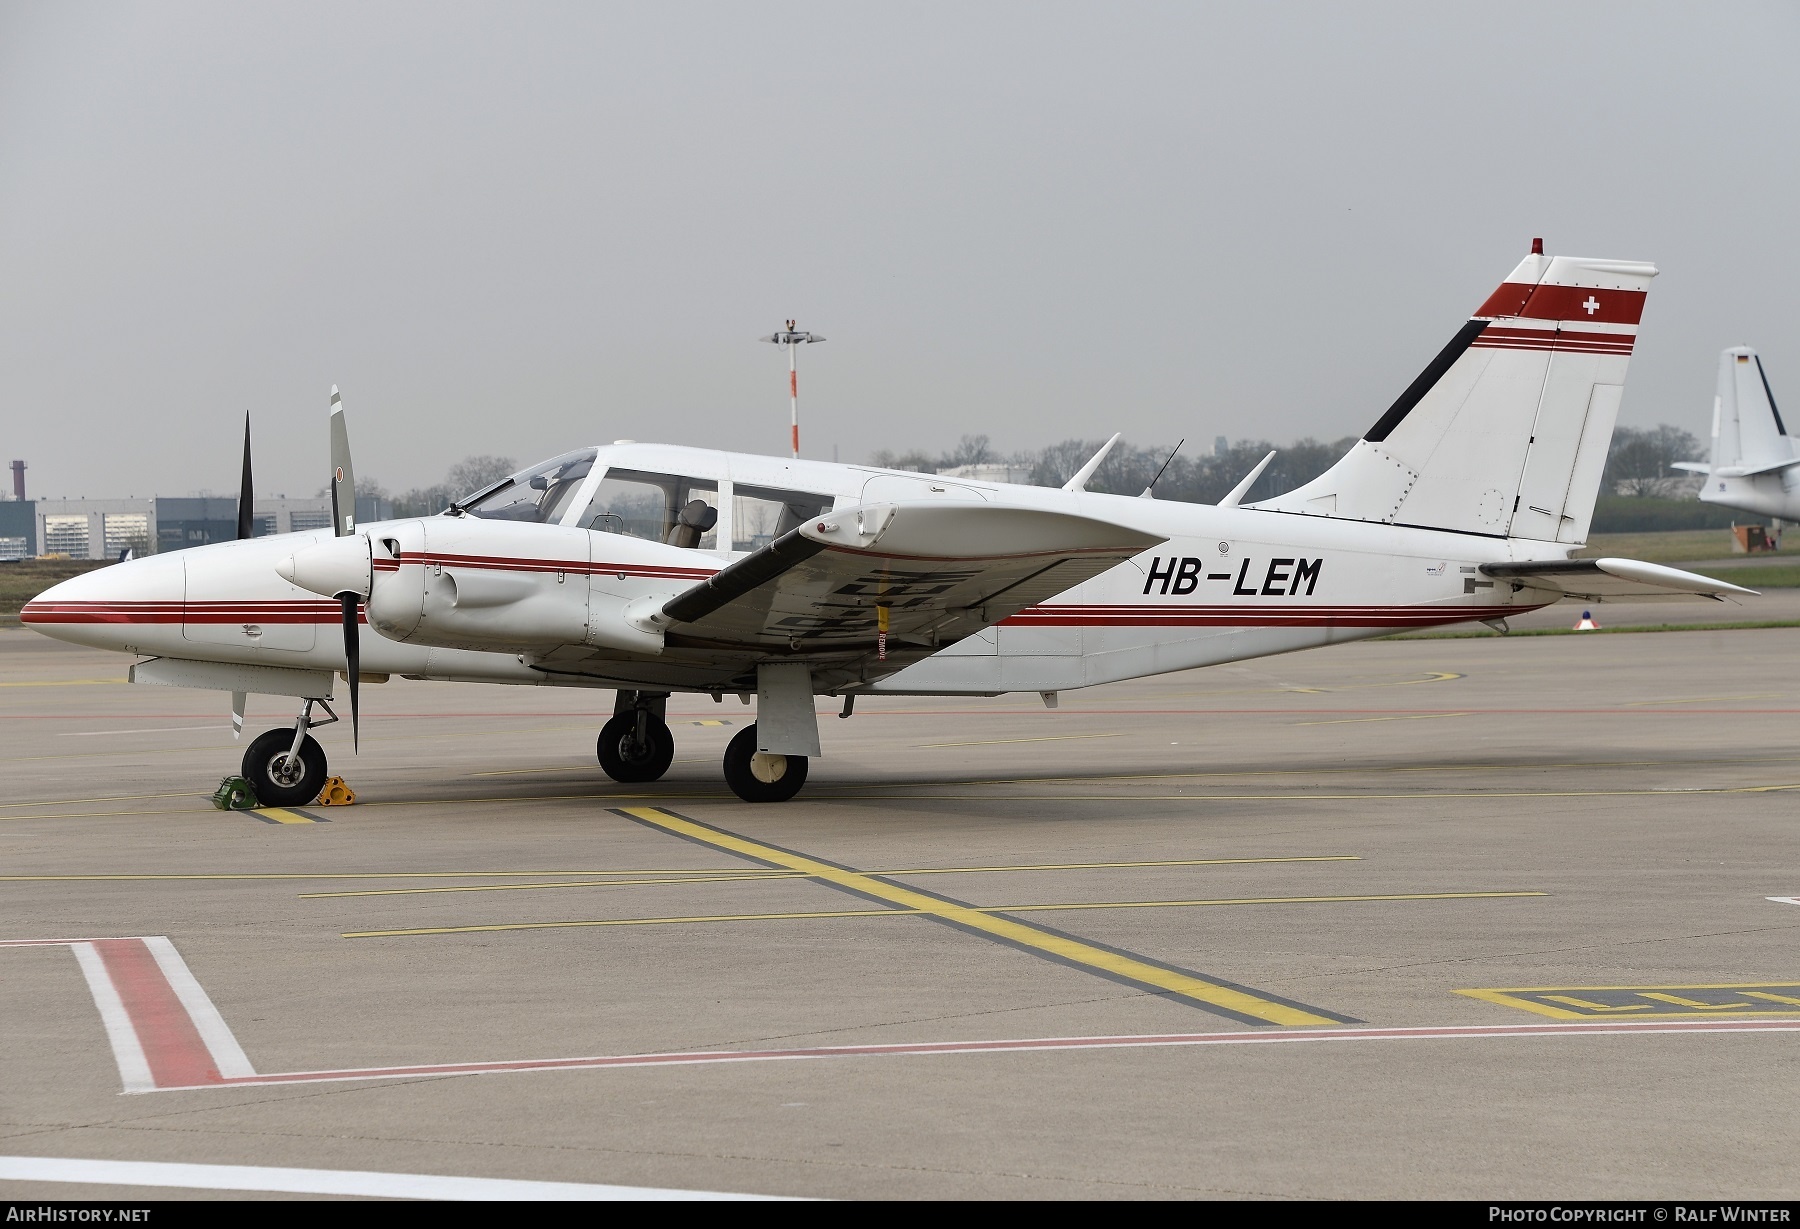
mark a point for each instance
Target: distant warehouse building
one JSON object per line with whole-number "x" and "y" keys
{"x": 18, "y": 529}
{"x": 101, "y": 528}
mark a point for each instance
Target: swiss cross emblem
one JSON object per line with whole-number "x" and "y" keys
{"x": 1591, "y": 306}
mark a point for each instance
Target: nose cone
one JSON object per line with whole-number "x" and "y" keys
{"x": 339, "y": 565}
{"x": 110, "y": 607}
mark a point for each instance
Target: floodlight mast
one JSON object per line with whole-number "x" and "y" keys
{"x": 792, "y": 337}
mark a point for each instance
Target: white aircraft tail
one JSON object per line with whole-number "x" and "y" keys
{"x": 1505, "y": 432}
{"x": 1748, "y": 435}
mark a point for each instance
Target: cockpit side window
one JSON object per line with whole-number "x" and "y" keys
{"x": 538, "y": 495}
{"x": 762, "y": 514}
{"x": 652, "y": 506}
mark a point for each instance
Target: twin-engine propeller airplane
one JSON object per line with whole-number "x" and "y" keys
{"x": 1755, "y": 462}
{"x": 651, "y": 569}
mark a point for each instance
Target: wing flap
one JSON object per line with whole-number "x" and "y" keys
{"x": 1614, "y": 580}
{"x": 931, "y": 571}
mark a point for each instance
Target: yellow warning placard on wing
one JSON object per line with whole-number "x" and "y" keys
{"x": 1649, "y": 1002}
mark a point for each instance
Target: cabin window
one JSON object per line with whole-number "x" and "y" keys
{"x": 759, "y": 515}
{"x": 646, "y": 505}
{"x": 538, "y": 495}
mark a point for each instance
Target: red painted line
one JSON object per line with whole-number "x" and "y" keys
{"x": 171, "y": 1043}
{"x": 1017, "y": 1045}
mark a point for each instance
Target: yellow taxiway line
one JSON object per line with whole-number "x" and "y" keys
{"x": 997, "y": 742}
{"x": 1236, "y": 1001}
{"x": 727, "y": 877}
{"x": 937, "y": 911}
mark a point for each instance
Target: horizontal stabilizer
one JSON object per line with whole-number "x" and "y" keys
{"x": 928, "y": 573}
{"x": 1692, "y": 467}
{"x": 1613, "y": 580}
{"x": 1750, "y": 471}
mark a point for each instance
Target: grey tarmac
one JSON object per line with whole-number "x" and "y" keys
{"x": 1339, "y": 844}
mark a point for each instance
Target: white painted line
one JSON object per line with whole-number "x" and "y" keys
{"x": 128, "y": 1051}
{"x": 1784, "y": 900}
{"x": 326, "y": 1181}
{"x": 227, "y": 1055}
{"x": 161, "y": 729}
{"x": 1581, "y": 1028}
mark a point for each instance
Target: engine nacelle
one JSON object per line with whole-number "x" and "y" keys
{"x": 500, "y": 586}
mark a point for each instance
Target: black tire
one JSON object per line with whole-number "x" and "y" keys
{"x": 276, "y": 785}
{"x": 624, "y": 759}
{"x": 761, "y": 777}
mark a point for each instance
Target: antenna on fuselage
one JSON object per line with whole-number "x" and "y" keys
{"x": 1165, "y": 465}
{"x": 792, "y": 337}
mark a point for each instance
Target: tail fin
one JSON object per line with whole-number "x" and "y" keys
{"x": 1505, "y": 432}
{"x": 1748, "y": 435}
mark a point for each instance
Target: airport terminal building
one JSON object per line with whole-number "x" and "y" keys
{"x": 101, "y": 528}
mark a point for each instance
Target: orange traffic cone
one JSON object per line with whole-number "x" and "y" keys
{"x": 1587, "y": 623}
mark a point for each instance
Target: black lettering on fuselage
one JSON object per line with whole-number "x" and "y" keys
{"x": 1164, "y": 575}
{"x": 1187, "y": 579}
{"x": 1238, "y": 588}
{"x": 1307, "y": 571}
{"x": 1274, "y": 579}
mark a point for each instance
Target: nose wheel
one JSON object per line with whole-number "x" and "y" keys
{"x": 761, "y": 776}
{"x": 282, "y": 775}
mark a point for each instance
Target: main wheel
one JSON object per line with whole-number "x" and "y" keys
{"x": 627, "y": 760}
{"x": 281, "y": 781}
{"x": 761, "y": 776}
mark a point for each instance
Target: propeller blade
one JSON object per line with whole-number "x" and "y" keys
{"x": 237, "y": 713}
{"x": 343, "y": 479}
{"x": 352, "y": 662}
{"x": 246, "y": 496}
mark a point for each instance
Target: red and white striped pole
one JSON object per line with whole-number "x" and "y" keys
{"x": 794, "y": 398}
{"x": 791, "y": 337}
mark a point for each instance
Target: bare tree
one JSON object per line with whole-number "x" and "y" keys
{"x": 1638, "y": 461}
{"x": 472, "y": 473}
{"x": 973, "y": 450}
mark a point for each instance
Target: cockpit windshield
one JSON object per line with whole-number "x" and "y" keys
{"x": 540, "y": 494}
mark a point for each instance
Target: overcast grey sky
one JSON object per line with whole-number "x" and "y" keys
{"x": 516, "y": 228}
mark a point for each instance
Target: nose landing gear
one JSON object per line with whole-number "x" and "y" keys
{"x": 636, "y": 744}
{"x": 287, "y": 768}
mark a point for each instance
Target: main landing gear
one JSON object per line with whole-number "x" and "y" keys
{"x": 761, "y": 776}
{"x": 636, "y": 745}
{"x": 286, "y": 768}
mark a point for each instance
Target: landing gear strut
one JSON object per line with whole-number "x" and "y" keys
{"x": 286, "y": 768}
{"x": 636, "y": 744}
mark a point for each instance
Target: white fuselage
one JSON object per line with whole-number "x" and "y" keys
{"x": 1229, "y": 584}
{"x": 1769, "y": 494}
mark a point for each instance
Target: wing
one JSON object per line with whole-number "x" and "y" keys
{"x": 927, "y": 573}
{"x": 1613, "y": 580}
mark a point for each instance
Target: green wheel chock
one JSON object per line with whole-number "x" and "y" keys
{"x": 234, "y": 794}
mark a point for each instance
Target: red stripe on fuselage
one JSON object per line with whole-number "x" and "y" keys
{"x": 578, "y": 567}
{"x": 1253, "y": 616}
{"x": 177, "y": 612}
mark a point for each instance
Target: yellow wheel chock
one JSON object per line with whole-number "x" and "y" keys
{"x": 336, "y": 793}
